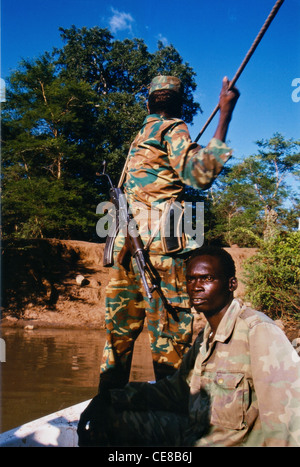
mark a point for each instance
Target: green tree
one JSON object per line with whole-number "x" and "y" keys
{"x": 42, "y": 154}
{"x": 255, "y": 196}
{"x": 120, "y": 73}
{"x": 65, "y": 113}
{"x": 272, "y": 277}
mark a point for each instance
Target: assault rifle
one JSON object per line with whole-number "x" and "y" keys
{"x": 123, "y": 220}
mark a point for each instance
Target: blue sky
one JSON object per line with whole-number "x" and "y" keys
{"x": 212, "y": 36}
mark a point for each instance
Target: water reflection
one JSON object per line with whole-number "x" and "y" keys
{"x": 49, "y": 369}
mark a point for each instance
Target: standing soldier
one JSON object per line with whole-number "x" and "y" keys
{"x": 161, "y": 161}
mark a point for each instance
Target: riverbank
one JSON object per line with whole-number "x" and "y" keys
{"x": 49, "y": 283}
{"x": 54, "y": 283}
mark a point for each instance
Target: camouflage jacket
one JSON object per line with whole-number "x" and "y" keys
{"x": 162, "y": 160}
{"x": 251, "y": 374}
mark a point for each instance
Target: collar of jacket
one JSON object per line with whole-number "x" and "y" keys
{"x": 157, "y": 117}
{"x": 226, "y": 324}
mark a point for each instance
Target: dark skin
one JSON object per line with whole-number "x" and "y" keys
{"x": 210, "y": 291}
{"x": 227, "y": 101}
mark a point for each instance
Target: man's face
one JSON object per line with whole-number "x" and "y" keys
{"x": 208, "y": 287}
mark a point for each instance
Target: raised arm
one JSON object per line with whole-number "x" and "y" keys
{"x": 227, "y": 101}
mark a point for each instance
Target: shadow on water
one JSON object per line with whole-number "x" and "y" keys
{"x": 47, "y": 370}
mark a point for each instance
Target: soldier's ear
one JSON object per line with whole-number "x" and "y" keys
{"x": 233, "y": 283}
{"x": 148, "y": 108}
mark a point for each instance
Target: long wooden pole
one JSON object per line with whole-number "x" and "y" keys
{"x": 246, "y": 59}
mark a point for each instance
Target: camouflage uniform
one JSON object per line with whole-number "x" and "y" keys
{"x": 162, "y": 159}
{"x": 250, "y": 373}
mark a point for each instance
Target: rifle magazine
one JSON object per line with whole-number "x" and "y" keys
{"x": 108, "y": 254}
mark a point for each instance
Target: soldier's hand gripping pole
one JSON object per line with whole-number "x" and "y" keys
{"x": 246, "y": 59}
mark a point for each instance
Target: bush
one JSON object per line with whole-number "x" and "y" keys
{"x": 272, "y": 277}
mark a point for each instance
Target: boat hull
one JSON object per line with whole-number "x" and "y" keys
{"x": 58, "y": 429}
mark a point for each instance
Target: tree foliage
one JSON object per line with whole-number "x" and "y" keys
{"x": 257, "y": 197}
{"x": 74, "y": 107}
{"x": 272, "y": 277}
{"x": 66, "y": 112}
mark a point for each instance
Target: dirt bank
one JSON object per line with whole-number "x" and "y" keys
{"x": 61, "y": 283}
{"x": 54, "y": 283}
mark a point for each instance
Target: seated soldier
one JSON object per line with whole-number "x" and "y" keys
{"x": 239, "y": 384}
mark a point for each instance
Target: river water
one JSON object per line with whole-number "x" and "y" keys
{"x": 50, "y": 369}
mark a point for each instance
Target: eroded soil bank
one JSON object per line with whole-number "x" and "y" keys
{"x": 61, "y": 284}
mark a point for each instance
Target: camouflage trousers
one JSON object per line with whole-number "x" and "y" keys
{"x": 127, "y": 307}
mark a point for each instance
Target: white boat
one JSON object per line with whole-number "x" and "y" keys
{"x": 58, "y": 429}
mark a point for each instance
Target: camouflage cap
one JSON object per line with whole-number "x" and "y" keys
{"x": 165, "y": 82}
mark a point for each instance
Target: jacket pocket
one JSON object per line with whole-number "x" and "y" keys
{"x": 228, "y": 400}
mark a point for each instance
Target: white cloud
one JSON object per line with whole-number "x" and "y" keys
{"x": 120, "y": 21}
{"x": 163, "y": 39}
